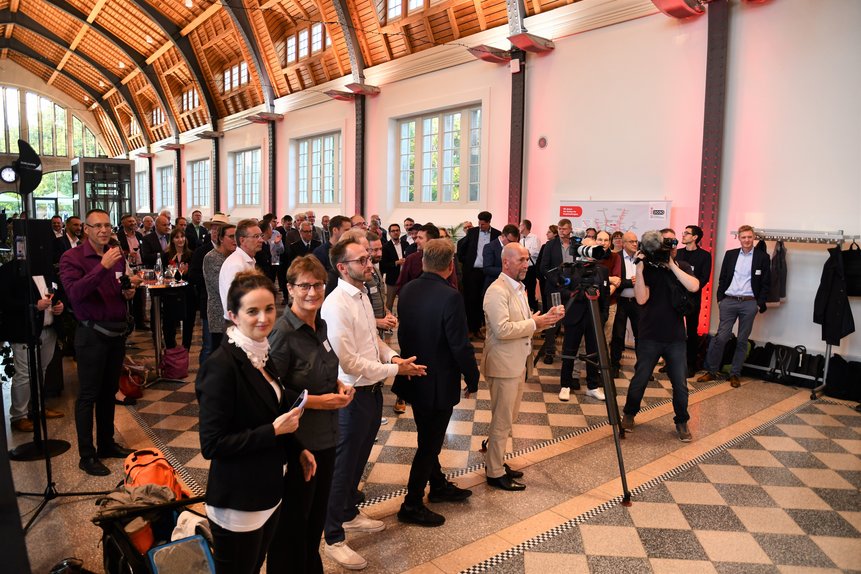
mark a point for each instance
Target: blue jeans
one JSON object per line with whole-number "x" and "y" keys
{"x": 730, "y": 311}
{"x": 358, "y": 424}
{"x": 648, "y": 353}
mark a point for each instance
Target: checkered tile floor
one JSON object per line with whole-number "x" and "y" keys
{"x": 784, "y": 498}
{"x": 169, "y": 414}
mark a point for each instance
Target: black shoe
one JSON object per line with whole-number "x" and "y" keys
{"x": 511, "y": 473}
{"x": 548, "y": 359}
{"x": 450, "y": 493}
{"x": 126, "y": 402}
{"x": 93, "y": 466}
{"x": 115, "y": 451}
{"x": 614, "y": 372}
{"x": 360, "y": 497}
{"x": 505, "y": 482}
{"x": 421, "y": 515}
{"x": 141, "y": 327}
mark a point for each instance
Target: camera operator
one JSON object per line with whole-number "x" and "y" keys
{"x": 572, "y": 281}
{"x": 662, "y": 292}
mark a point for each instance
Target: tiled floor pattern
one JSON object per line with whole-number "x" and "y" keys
{"x": 781, "y": 498}
{"x": 169, "y": 415}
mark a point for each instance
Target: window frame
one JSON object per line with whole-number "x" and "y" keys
{"x": 234, "y": 176}
{"x": 198, "y": 182}
{"x": 165, "y": 192}
{"x": 312, "y": 170}
{"x": 235, "y": 76}
{"x": 470, "y": 172}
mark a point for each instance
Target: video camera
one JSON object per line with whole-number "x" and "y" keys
{"x": 587, "y": 251}
{"x": 656, "y": 250}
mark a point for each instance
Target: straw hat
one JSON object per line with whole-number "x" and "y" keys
{"x": 217, "y": 219}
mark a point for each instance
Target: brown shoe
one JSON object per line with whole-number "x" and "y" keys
{"x": 734, "y": 381}
{"x": 22, "y": 425}
{"x": 52, "y": 414}
{"x": 706, "y": 377}
{"x": 400, "y": 406}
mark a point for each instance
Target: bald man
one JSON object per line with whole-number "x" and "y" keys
{"x": 626, "y": 303}
{"x": 156, "y": 243}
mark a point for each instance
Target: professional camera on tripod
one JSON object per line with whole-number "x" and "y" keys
{"x": 656, "y": 251}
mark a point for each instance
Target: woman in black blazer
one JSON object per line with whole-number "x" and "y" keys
{"x": 245, "y": 430}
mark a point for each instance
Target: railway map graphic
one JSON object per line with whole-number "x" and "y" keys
{"x": 636, "y": 216}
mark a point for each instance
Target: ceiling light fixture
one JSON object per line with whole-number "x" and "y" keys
{"x": 122, "y": 65}
{"x": 189, "y": 4}
{"x": 490, "y": 54}
{"x": 149, "y": 39}
{"x": 101, "y": 84}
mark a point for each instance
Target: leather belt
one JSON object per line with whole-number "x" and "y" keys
{"x": 628, "y": 299}
{"x": 740, "y": 297}
{"x": 370, "y": 388}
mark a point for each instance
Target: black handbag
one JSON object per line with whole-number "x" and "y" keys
{"x": 844, "y": 379}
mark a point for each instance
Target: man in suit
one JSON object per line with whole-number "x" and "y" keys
{"x": 558, "y": 250}
{"x": 493, "y": 253}
{"x": 196, "y": 233}
{"x": 305, "y": 245}
{"x": 57, "y": 226}
{"x": 316, "y": 232}
{"x": 130, "y": 240}
{"x": 393, "y": 259}
{"x": 471, "y": 255}
{"x": 507, "y": 353}
{"x": 436, "y": 333}
{"x": 71, "y": 238}
{"x": 745, "y": 277}
{"x": 337, "y": 225}
{"x": 157, "y": 242}
{"x": 626, "y": 304}
{"x": 293, "y": 232}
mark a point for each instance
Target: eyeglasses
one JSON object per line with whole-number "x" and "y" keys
{"x": 686, "y": 233}
{"x": 305, "y": 287}
{"x": 255, "y": 236}
{"x": 100, "y": 225}
{"x": 361, "y": 260}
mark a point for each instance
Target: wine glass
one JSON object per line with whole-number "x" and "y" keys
{"x": 555, "y": 299}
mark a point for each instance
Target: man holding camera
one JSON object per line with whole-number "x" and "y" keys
{"x": 91, "y": 275}
{"x": 745, "y": 277}
{"x": 660, "y": 291}
{"x": 573, "y": 281}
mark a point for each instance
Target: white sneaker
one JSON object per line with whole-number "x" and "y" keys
{"x": 564, "y": 394}
{"x": 362, "y": 523}
{"x": 384, "y": 421}
{"x": 345, "y": 556}
{"x": 596, "y": 394}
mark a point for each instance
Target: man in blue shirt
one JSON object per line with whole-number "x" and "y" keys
{"x": 742, "y": 289}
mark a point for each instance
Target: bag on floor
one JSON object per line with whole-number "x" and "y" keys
{"x": 134, "y": 379}
{"x": 844, "y": 379}
{"x": 149, "y": 466}
{"x": 174, "y": 363}
{"x": 759, "y": 361}
{"x": 794, "y": 367}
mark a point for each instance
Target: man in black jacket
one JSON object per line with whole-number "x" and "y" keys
{"x": 435, "y": 331}
{"x": 745, "y": 277}
{"x": 71, "y": 238}
{"x": 157, "y": 242}
{"x": 471, "y": 255}
{"x": 195, "y": 233}
{"x": 557, "y": 251}
{"x": 390, "y": 264}
{"x": 700, "y": 261}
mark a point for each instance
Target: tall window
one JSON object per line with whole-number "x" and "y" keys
{"x": 439, "y": 157}
{"x": 164, "y": 185}
{"x": 84, "y": 142}
{"x": 141, "y": 191}
{"x": 291, "y": 49}
{"x": 246, "y": 177}
{"x": 235, "y": 76}
{"x": 198, "y": 183}
{"x": 393, "y": 10}
{"x": 46, "y": 125}
{"x": 303, "y": 43}
{"x": 318, "y": 170}
{"x": 317, "y": 37}
{"x": 10, "y": 120}
{"x": 190, "y": 100}
{"x": 157, "y": 116}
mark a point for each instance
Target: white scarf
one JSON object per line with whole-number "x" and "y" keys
{"x": 256, "y": 351}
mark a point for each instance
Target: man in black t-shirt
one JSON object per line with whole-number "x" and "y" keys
{"x": 700, "y": 261}
{"x": 661, "y": 333}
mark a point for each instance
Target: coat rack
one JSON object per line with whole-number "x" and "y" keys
{"x": 800, "y": 236}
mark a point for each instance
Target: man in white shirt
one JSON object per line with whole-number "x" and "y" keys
{"x": 626, "y": 303}
{"x": 57, "y": 226}
{"x": 365, "y": 362}
{"x": 533, "y": 245}
{"x": 249, "y": 240}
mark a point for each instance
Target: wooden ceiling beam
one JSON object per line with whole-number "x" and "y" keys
{"x": 429, "y": 30}
{"x": 78, "y": 37}
{"x": 286, "y": 13}
{"x": 95, "y": 11}
{"x": 159, "y": 53}
{"x": 203, "y": 17}
{"x": 482, "y": 22}
{"x": 453, "y": 22}
{"x": 424, "y": 15}
{"x": 13, "y": 6}
{"x": 245, "y": 30}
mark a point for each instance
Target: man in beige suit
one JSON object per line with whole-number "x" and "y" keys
{"x": 507, "y": 350}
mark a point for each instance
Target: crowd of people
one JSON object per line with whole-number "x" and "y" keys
{"x": 283, "y": 474}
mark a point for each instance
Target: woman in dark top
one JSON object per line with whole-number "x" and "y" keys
{"x": 244, "y": 431}
{"x": 178, "y": 304}
{"x": 299, "y": 349}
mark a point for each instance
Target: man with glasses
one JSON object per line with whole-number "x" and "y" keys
{"x": 249, "y": 240}
{"x": 626, "y": 303}
{"x": 156, "y": 243}
{"x": 90, "y": 277}
{"x": 392, "y": 261}
{"x": 700, "y": 261}
{"x": 365, "y": 362}
{"x": 558, "y": 250}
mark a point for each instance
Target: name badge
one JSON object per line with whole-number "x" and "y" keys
{"x": 327, "y": 346}
{"x": 372, "y": 290}
{"x": 758, "y": 272}
{"x": 118, "y": 274}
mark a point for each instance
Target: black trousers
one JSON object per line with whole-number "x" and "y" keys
{"x": 176, "y": 310}
{"x": 430, "y": 426}
{"x": 473, "y": 295}
{"x": 100, "y": 362}
{"x": 626, "y": 308}
{"x": 242, "y": 552}
{"x": 578, "y": 322}
{"x": 281, "y": 275}
{"x": 137, "y": 306}
{"x": 692, "y": 320}
{"x": 296, "y": 545}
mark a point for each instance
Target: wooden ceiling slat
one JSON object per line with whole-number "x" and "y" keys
{"x": 203, "y": 17}
{"x": 95, "y": 11}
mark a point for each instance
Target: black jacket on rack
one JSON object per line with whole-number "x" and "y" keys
{"x": 778, "y": 274}
{"x": 831, "y": 306}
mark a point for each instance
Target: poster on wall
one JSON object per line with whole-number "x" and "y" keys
{"x": 636, "y": 216}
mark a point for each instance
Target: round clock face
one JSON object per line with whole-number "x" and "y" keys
{"x": 8, "y": 174}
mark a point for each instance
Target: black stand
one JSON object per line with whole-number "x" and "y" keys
{"x": 41, "y": 447}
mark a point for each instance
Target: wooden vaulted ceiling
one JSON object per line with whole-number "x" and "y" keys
{"x": 126, "y": 58}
